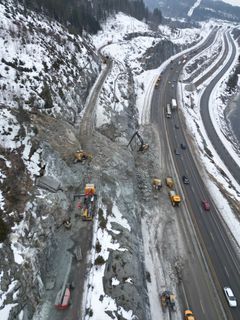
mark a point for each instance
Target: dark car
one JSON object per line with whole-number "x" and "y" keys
{"x": 177, "y": 152}
{"x": 206, "y": 205}
{"x": 176, "y": 126}
{"x": 185, "y": 179}
{"x": 183, "y": 146}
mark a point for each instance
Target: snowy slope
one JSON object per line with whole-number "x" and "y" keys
{"x": 41, "y": 65}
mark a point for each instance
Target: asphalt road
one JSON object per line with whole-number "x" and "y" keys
{"x": 221, "y": 150}
{"x": 218, "y": 250}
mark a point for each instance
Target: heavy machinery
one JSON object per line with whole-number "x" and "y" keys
{"x": 80, "y": 156}
{"x": 143, "y": 146}
{"x": 169, "y": 182}
{"x": 89, "y": 202}
{"x": 174, "y": 197}
{"x": 157, "y": 184}
{"x": 168, "y": 300}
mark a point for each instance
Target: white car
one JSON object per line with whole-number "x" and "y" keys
{"x": 230, "y": 297}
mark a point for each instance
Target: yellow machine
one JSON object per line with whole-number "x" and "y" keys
{"x": 169, "y": 182}
{"x": 89, "y": 189}
{"x": 143, "y": 146}
{"x": 157, "y": 184}
{"x": 89, "y": 202}
{"x": 174, "y": 197}
{"x": 81, "y": 155}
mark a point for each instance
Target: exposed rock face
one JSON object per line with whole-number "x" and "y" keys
{"x": 158, "y": 53}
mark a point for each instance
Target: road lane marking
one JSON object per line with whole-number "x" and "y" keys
{"x": 226, "y": 271}
{"x": 212, "y": 236}
{"x": 202, "y": 306}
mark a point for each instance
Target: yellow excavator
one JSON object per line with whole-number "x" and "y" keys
{"x": 80, "y": 156}
{"x": 143, "y": 146}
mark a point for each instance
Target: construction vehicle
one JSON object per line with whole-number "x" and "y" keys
{"x": 174, "y": 197}
{"x": 157, "y": 184}
{"x": 168, "y": 300}
{"x": 89, "y": 202}
{"x": 80, "y": 156}
{"x": 169, "y": 182}
{"x": 143, "y": 146}
{"x": 157, "y": 82}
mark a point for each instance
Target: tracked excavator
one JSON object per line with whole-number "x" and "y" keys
{"x": 80, "y": 156}
{"x": 143, "y": 146}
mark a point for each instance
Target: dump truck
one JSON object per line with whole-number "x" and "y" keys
{"x": 89, "y": 202}
{"x": 157, "y": 184}
{"x": 168, "y": 300}
{"x": 169, "y": 182}
{"x": 174, "y": 197}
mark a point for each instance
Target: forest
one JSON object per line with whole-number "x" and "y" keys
{"x": 79, "y": 15}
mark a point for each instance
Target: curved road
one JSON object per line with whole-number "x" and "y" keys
{"x": 218, "y": 249}
{"x": 221, "y": 150}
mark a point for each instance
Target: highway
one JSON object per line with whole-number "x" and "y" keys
{"x": 221, "y": 150}
{"x": 219, "y": 251}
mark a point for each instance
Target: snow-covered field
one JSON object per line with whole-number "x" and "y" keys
{"x": 232, "y": 2}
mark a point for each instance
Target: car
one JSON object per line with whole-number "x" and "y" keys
{"x": 185, "y": 179}
{"x": 183, "y": 146}
{"x": 188, "y": 315}
{"x": 205, "y": 205}
{"x": 176, "y": 126}
{"x": 177, "y": 152}
{"x": 232, "y": 301}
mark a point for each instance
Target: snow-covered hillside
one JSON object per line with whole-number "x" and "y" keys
{"x": 43, "y": 66}
{"x": 47, "y": 79}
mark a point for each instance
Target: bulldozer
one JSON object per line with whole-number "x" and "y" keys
{"x": 168, "y": 300}
{"x": 80, "y": 156}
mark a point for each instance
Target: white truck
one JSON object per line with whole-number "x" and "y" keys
{"x": 174, "y": 104}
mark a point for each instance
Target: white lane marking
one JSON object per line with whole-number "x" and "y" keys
{"x": 212, "y": 236}
{"x": 202, "y": 306}
{"x": 226, "y": 271}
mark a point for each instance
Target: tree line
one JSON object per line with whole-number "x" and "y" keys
{"x": 79, "y": 15}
